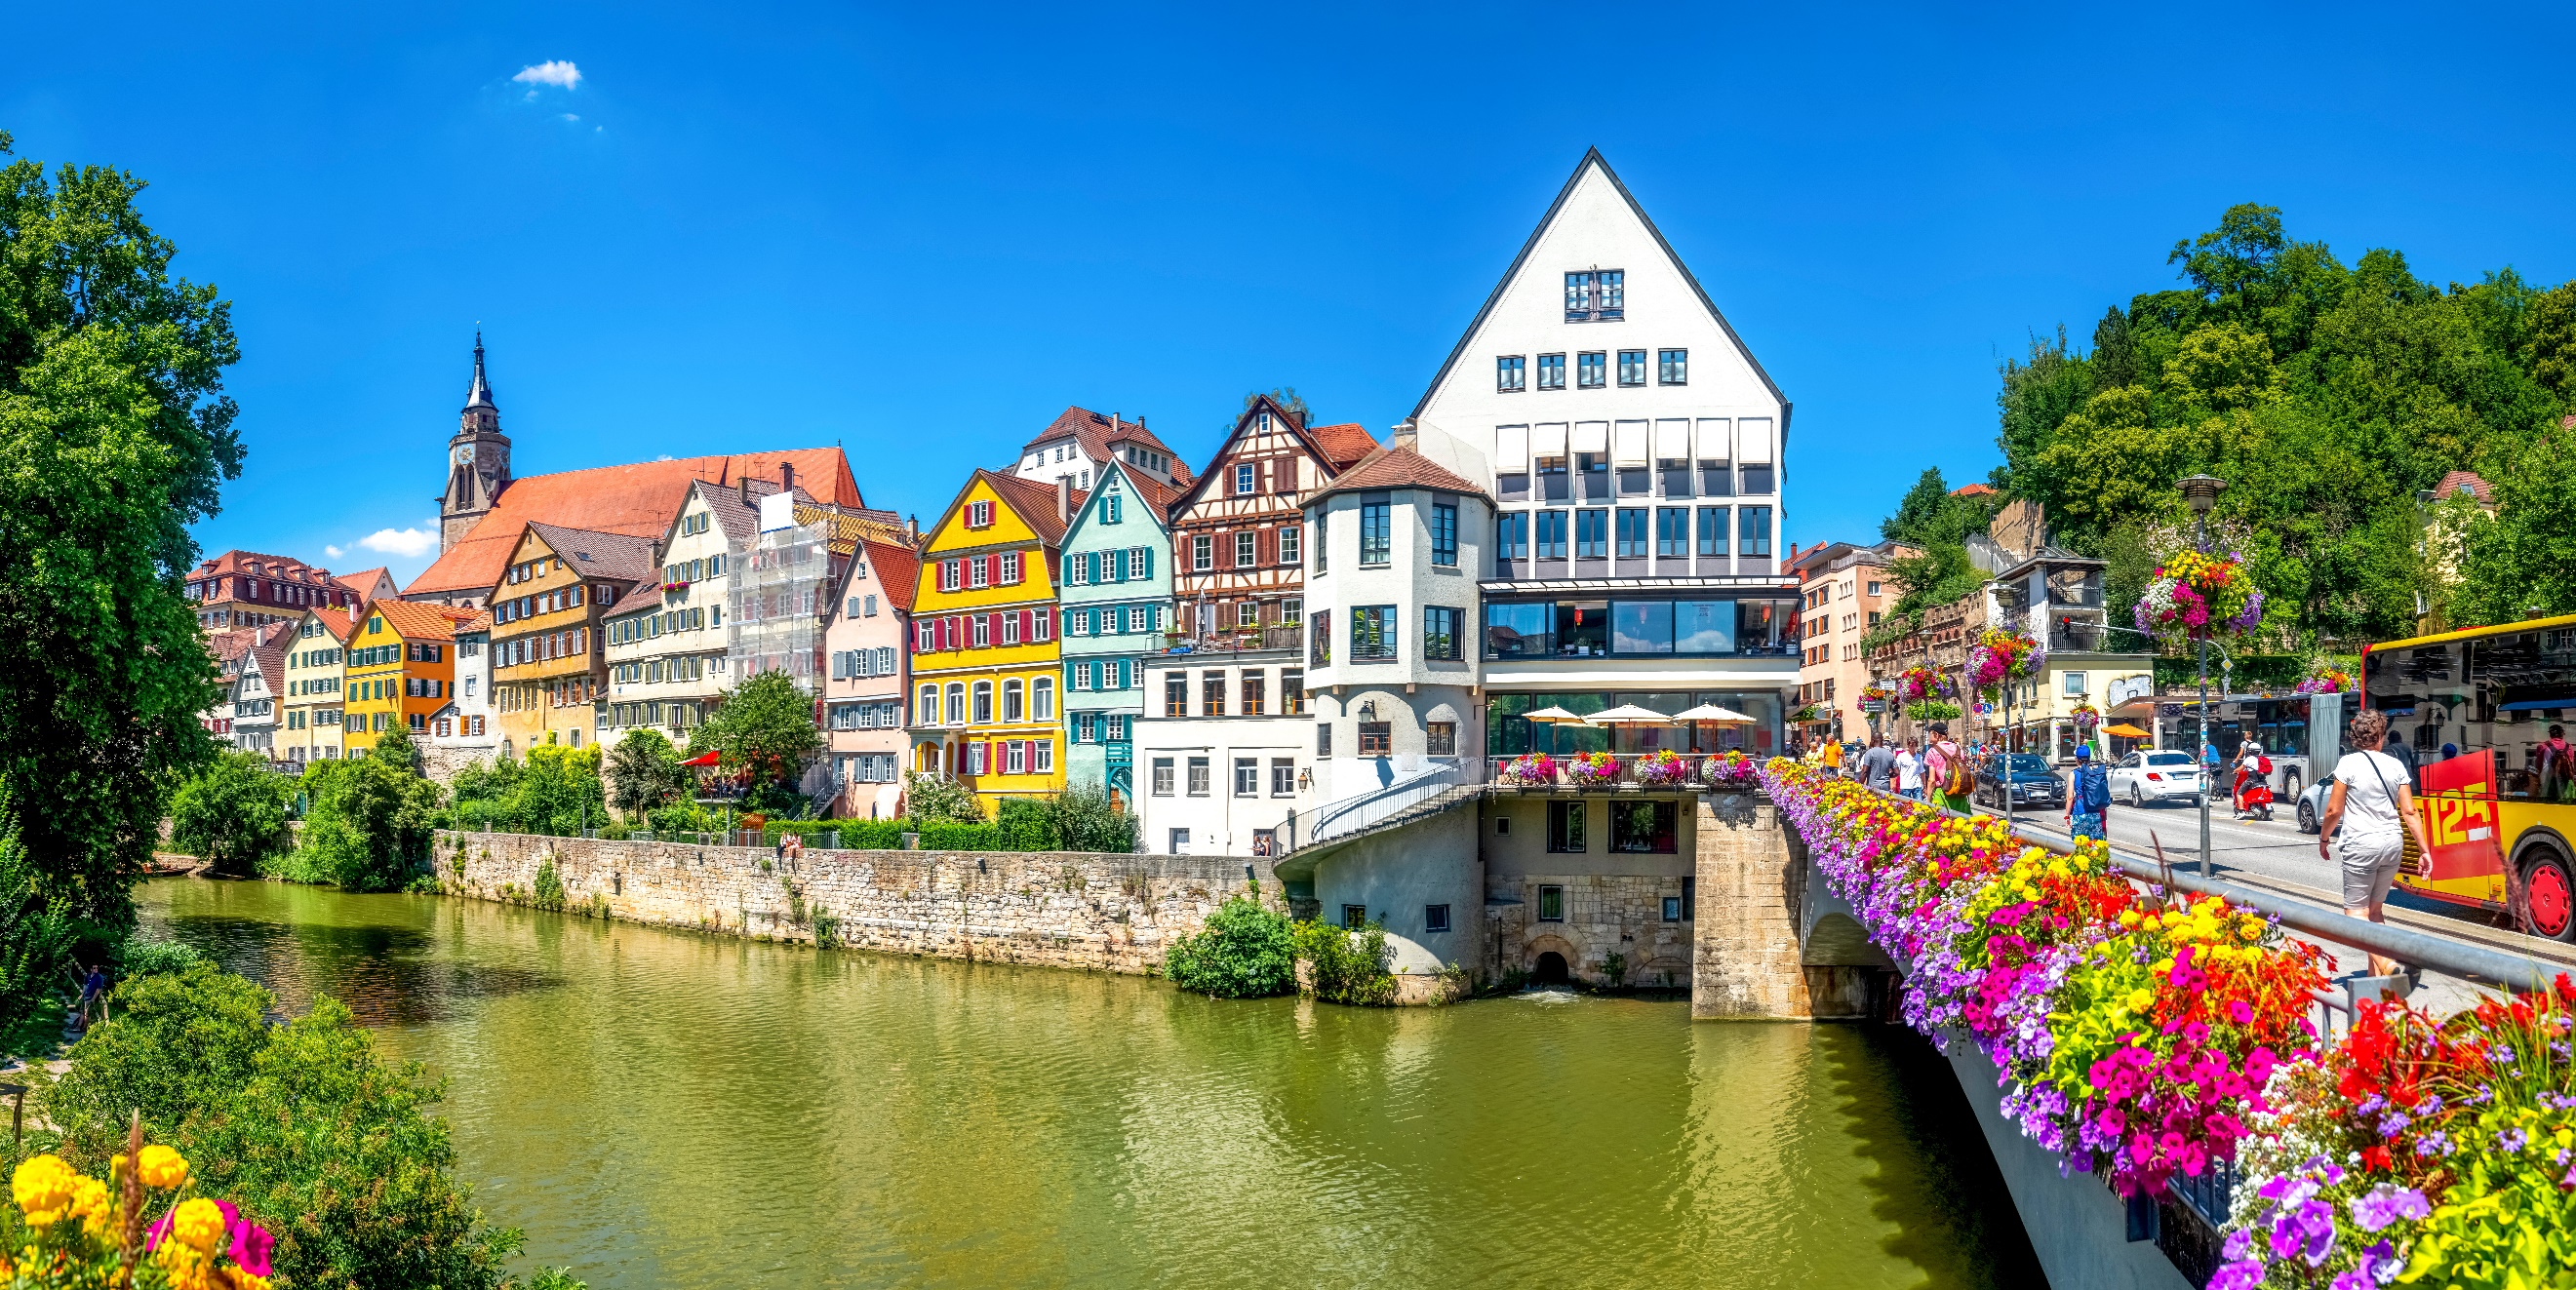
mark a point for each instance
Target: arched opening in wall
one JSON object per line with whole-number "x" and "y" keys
{"x": 1550, "y": 970}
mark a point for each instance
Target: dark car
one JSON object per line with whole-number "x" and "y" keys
{"x": 2032, "y": 782}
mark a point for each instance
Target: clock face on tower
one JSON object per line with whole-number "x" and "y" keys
{"x": 465, "y": 455}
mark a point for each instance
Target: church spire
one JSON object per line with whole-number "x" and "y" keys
{"x": 480, "y": 396}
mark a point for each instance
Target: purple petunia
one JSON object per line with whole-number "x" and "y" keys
{"x": 2388, "y": 1203}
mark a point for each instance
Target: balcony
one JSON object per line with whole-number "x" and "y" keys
{"x": 1628, "y": 773}
{"x": 1239, "y": 640}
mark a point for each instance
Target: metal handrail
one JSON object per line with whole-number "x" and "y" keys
{"x": 1333, "y": 813}
{"x": 2405, "y": 944}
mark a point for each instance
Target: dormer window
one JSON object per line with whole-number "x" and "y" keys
{"x": 1596, "y": 295}
{"x": 979, "y": 515}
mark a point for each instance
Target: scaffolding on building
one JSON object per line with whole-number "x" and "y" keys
{"x": 774, "y": 622}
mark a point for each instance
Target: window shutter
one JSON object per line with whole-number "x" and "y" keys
{"x": 1147, "y": 553}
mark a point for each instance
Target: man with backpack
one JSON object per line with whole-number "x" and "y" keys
{"x": 1952, "y": 777}
{"x": 2088, "y": 800}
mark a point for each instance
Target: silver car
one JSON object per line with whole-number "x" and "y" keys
{"x": 2144, "y": 778}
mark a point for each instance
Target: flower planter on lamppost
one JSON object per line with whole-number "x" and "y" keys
{"x": 2202, "y": 492}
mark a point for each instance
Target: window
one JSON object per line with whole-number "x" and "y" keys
{"x": 1162, "y": 777}
{"x": 1565, "y": 829}
{"x": 1591, "y": 534}
{"x": 1247, "y": 777}
{"x": 1509, "y": 373}
{"x": 1753, "y": 529}
{"x": 1010, "y": 575}
{"x": 1256, "y": 692}
{"x": 1288, "y": 550}
{"x": 1245, "y": 477}
{"x": 1643, "y": 827}
{"x": 1551, "y": 899}
{"x": 1444, "y": 534}
{"x": 1632, "y": 367}
{"x": 1511, "y": 536}
{"x": 1245, "y": 548}
{"x": 1591, "y": 370}
{"x": 1672, "y": 909}
{"x": 1673, "y": 366}
{"x": 1551, "y": 371}
{"x": 1595, "y": 295}
{"x": 1672, "y": 531}
{"x": 1551, "y": 535}
{"x": 2074, "y": 685}
{"x": 951, "y": 574}
{"x": 1212, "y": 694}
{"x": 1712, "y": 530}
{"x": 1377, "y": 739}
{"x": 1376, "y": 531}
{"x": 979, "y": 571}
{"x": 1319, "y": 638}
{"x": 1292, "y": 691}
{"x": 1354, "y": 917}
{"x": 1011, "y": 702}
{"x": 1373, "y": 629}
{"x": 1440, "y": 738}
{"x": 1323, "y": 739}
{"x": 1756, "y": 481}
{"x": 1320, "y": 517}
{"x": 983, "y": 703}
{"x": 979, "y": 515}
{"x": 1198, "y": 776}
{"x": 1176, "y": 695}
{"x": 1283, "y": 777}
{"x": 1632, "y": 531}
{"x": 1440, "y": 631}
{"x": 1117, "y": 728}
{"x": 1202, "y": 553}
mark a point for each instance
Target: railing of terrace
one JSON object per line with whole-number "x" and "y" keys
{"x": 1627, "y": 770}
{"x": 1361, "y": 810}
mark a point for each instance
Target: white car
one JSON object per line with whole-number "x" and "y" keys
{"x": 2142, "y": 778}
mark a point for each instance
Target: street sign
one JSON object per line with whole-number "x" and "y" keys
{"x": 1873, "y": 706}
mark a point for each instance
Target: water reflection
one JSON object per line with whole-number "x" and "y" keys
{"x": 659, "y": 1108}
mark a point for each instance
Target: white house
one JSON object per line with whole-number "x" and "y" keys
{"x": 1632, "y": 446}
{"x": 464, "y": 732}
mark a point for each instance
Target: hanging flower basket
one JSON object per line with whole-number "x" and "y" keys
{"x": 1592, "y": 769}
{"x": 2195, "y": 595}
{"x": 2000, "y": 656}
{"x": 2327, "y": 680}
{"x": 1664, "y": 769}
{"x": 2086, "y": 717}
{"x": 1876, "y": 694}
{"x": 1528, "y": 770}
{"x": 1919, "y": 683}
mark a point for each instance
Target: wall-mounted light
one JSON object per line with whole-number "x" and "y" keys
{"x": 1368, "y": 710}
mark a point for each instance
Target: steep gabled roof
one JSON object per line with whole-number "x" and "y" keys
{"x": 898, "y": 569}
{"x": 1348, "y": 444}
{"x": 1345, "y": 445}
{"x": 1032, "y": 500}
{"x": 269, "y": 656}
{"x": 414, "y": 620}
{"x": 593, "y": 554}
{"x": 1098, "y": 433}
{"x": 1592, "y": 157}
{"x": 339, "y": 622}
{"x": 1399, "y": 466}
{"x": 2464, "y": 481}
{"x": 365, "y": 581}
{"x": 636, "y": 500}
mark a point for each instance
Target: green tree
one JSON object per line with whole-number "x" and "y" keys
{"x": 114, "y": 438}
{"x": 2524, "y": 560}
{"x": 303, "y": 1125}
{"x": 1084, "y": 817}
{"x": 1246, "y": 951}
{"x": 1286, "y": 397}
{"x": 937, "y": 799}
{"x": 644, "y": 772}
{"x": 765, "y": 726}
{"x": 369, "y": 824}
{"x": 232, "y": 813}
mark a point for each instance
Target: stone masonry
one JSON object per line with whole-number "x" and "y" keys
{"x": 1111, "y": 913}
{"x": 1746, "y": 955}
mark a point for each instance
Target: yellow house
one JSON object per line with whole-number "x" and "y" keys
{"x": 401, "y": 670}
{"x": 985, "y": 663}
{"x": 316, "y": 660}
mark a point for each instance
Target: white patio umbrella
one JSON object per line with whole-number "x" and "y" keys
{"x": 1629, "y": 714}
{"x": 1714, "y": 715}
{"x": 1552, "y": 716}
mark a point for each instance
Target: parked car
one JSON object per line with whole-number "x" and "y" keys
{"x": 2312, "y": 804}
{"x": 2144, "y": 778}
{"x": 2031, "y": 781}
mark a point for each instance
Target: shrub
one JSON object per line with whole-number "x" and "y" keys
{"x": 369, "y": 828}
{"x": 302, "y": 1125}
{"x": 231, "y": 813}
{"x": 960, "y": 837}
{"x": 1024, "y": 825}
{"x": 140, "y": 957}
{"x": 1347, "y": 966}
{"x": 37, "y": 933}
{"x": 1086, "y": 818}
{"x": 1246, "y": 951}
{"x": 644, "y": 773}
{"x": 549, "y": 887}
{"x": 678, "y": 818}
{"x": 937, "y": 799}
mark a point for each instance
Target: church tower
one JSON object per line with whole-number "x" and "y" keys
{"x": 478, "y": 461}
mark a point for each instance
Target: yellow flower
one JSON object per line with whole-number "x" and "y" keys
{"x": 198, "y": 1223}
{"x": 2130, "y": 918}
{"x": 163, "y": 1167}
{"x": 2139, "y": 999}
{"x": 42, "y": 1186}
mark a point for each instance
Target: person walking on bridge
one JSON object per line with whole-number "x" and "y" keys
{"x": 1878, "y": 765}
{"x": 2375, "y": 807}
{"x": 1949, "y": 774}
{"x": 2088, "y": 799}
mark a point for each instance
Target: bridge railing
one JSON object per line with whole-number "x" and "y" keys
{"x": 1363, "y": 810}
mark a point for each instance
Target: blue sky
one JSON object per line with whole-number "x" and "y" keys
{"x": 920, "y": 232}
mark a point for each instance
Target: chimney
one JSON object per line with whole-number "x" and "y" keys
{"x": 743, "y": 482}
{"x": 1403, "y": 437}
{"x": 1064, "y": 499}
{"x": 786, "y": 477}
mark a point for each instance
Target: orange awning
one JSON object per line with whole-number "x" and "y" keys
{"x": 2125, "y": 731}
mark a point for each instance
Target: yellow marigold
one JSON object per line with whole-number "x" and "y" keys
{"x": 163, "y": 1167}
{"x": 198, "y": 1224}
{"x": 2130, "y": 918}
{"x": 90, "y": 1202}
{"x": 42, "y": 1186}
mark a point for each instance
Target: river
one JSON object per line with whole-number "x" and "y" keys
{"x": 658, "y": 1108}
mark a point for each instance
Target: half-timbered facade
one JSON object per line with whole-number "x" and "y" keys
{"x": 1238, "y": 534}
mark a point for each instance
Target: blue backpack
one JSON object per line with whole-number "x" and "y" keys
{"x": 2092, "y": 787}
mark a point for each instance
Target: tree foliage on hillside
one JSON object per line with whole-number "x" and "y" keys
{"x": 114, "y": 437}
{"x": 2326, "y": 395}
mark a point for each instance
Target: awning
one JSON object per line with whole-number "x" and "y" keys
{"x": 702, "y": 759}
{"x": 2125, "y": 731}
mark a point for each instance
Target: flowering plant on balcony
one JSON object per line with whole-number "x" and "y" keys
{"x": 1592, "y": 768}
{"x": 71, "y": 1230}
{"x": 2085, "y": 716}
{"x": 1528, "y": 769}
{"x": 1663, "y": 768}
{"x": 2327, "y": 680}
{"x": 2001, "y": 656}
{"x": 2195, "y": 594}
{"x": 1730, "y": 769}
{"x": 1919, "y": 683}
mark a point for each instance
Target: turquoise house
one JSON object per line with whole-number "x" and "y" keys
{"x": 1116, "y": 604}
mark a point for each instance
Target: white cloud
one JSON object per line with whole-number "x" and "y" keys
{"x": 403, "y": 542}
{"x": 558, "y": 72}
{"x": 570, "y": 117}
{"x": 331, "y": 551}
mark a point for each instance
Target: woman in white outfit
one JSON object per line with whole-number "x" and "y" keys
{"x": 2376, "y": 810}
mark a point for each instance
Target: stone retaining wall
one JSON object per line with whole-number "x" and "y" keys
{"x": 1111, "y": 913}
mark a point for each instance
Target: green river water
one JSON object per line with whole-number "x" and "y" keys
{"x": 659, "y": 1108}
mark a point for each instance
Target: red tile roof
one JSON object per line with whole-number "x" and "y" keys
{"x": 898, "y": 571}
{"x": 417, "y": 621}
{"x": 338, "y": 622}
{"x": 637, "y": 500}
{"x": 1097, "y": 432}
{"x": 1401, "y": 466}
{"x": 1973, "y": 490}
{"x": 1035, "y": 502}
{"x": 1345, "y": 444}
{"x": 2469, "y": 481}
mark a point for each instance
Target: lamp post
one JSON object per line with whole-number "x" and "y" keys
{"x": 2202, "y": 492}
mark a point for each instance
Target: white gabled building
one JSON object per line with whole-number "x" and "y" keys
{"x": 1632, "y": 446}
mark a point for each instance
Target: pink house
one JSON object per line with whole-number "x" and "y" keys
{"x": 865, "y": 639}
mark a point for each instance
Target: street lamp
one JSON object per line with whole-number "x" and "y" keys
{"x": 2202, "y": 492}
